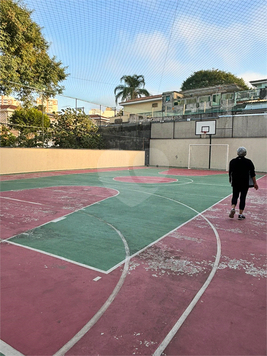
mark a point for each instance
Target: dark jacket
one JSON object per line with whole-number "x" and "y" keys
{"x": 240, "y": 168}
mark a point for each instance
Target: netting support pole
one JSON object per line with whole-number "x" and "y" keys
{"x": 189, "y": 157}
{"x": 210, "y": 153}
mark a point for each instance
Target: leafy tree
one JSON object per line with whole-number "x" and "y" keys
{"x": 133, "y": 88}
{"x": 209, "y": 78}
{"x": 75, "y": 129}
{"x": 24, "y": 61}
{"x": 7, "y": 139}
{"x": 30, "y": 124}
{"x": 24, "y": 119}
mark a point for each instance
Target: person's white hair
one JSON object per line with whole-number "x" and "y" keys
{"x": 241, "y": 151}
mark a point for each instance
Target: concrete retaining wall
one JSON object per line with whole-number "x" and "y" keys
{"x": 254, "y": 125}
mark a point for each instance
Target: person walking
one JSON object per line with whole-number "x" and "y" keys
{"x": 241, "y": 169}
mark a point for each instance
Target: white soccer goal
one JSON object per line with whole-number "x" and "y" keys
{"x": 202, "y": 156}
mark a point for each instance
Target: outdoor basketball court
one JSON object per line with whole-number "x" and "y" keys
{"x": 140, "y": 261}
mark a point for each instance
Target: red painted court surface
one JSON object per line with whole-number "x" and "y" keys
{"x": 146, "y": 180}
{"x": 190, "y": 172}
{"x": 198, "y": 290}
{"x": 59, "y": 173}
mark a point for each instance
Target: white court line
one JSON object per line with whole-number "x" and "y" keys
{"x": 22, "y": 201}
{"x": 105, "y": 306}
{"x": 55, "y": 256}
{"x": 171, "y": 334}
{"x": 7, "y": 350}
{"x": 154, "y": 184}
{"x": 116, "y": 290}
{"x": 190, "y": 307}
{"x": 64, "y": 216}
{"x": 168, "y": 233}
{"x": 58, "y": 219}
{"x": 178, "y": 227}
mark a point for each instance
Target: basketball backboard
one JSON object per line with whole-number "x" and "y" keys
{"x": 205, "y": 127}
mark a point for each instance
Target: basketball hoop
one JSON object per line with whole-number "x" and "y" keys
{"x": 204, "y": 134}
{"x": 204, "y": 130}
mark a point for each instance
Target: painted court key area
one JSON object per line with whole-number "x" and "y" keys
{"x": 153, "y": 237}
{"x": 24, "y": 210}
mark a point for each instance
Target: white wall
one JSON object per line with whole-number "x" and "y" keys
{"x": 174, "y": 152}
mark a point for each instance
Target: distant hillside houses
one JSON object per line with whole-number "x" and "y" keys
{"x": 170, "y": 105}
{"x": 214, "y": 100}
{"x": 100, "y": 117}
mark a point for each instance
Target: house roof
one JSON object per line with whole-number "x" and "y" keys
{"x": 12, "y": 107}
{"x": 259, "y": 81}
{"x": 211, "y": 90}
{"x": 142, "y": 99}
{"x": 98, "y": 117}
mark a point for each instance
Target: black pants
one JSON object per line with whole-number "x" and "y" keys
{"x": 242, "y": 192}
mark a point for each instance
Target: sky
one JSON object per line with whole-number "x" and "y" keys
{"x": 99, "y": 41}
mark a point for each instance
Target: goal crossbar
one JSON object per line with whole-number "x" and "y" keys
{"x": 210, "y": 145}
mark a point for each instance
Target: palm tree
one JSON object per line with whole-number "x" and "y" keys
{"x": 132, "y": 89}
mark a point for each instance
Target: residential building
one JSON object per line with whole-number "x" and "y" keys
{"x": 259, "y": 84}
{"x": 99, "y": 120}
{"x": 190, "y": 104}
{"x": 9, "y": 100}
{"x": 50, "y": 105}
{"x": 199, "y": 100}
{"x": 7, "y": 107}
{"x": 102, "y": 117}
{"x": 259, "y": 99}
{"x": 108, "y": 112}
{"x": 139, "y": 109}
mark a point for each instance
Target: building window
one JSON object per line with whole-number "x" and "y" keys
{"x": 191, "y": 101}
{"x": 203, "y": 99}
{"x": 228, "y": 96}
{"x": 167, "y": 98}
{"x": 155, "y": 105}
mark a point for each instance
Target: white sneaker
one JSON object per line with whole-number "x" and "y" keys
{"x": 241, "y": 217}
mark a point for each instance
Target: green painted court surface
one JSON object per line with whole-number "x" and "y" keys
{"x": 141, "y": 212}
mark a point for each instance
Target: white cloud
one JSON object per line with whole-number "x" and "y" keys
{"x": 146, "y": 53}
{"x": 222, "y": 44}
{"x": 248, "y": 76}
{"x": 152, "y": 46}
{"x": 258, "y": 23}
{"x": 166, "y": 59}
